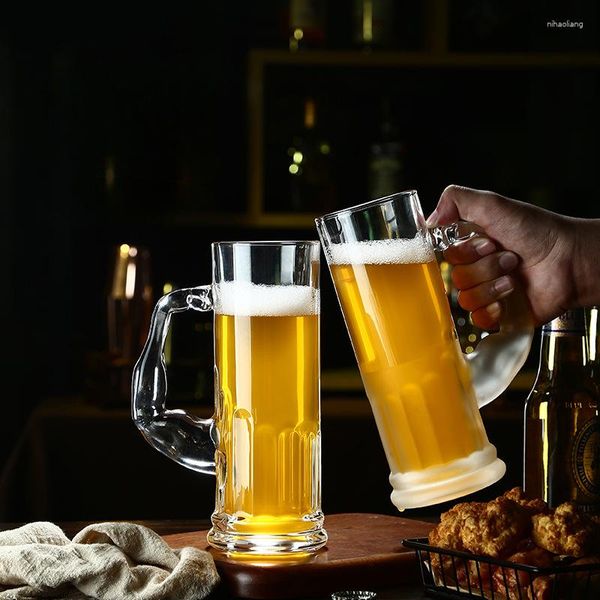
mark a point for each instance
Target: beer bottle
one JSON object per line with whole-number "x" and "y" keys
{"x": 311, "y": 174}
{"x": 386, "y": 157}
{"x": 562, "y": 426}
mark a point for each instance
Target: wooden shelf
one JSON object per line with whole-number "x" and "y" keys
{"x": 348, "y": 58}
{"x": 261, "y": 220}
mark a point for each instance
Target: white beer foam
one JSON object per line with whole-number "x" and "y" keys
{"x": 382, "y": 252}
{"x": 245, "y": 299}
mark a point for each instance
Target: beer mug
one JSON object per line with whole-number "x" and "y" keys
{"x": 264, "y": 441}
{"x": 424, "y": 393}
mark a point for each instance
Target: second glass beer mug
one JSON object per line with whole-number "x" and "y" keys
{"x": 425, "y": 394}
{"x": 264, "y": 442}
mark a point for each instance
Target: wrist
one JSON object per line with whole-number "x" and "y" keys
{"x": 586, "y": 261}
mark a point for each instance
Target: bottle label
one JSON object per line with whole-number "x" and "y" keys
{"x": 586, "y": 458}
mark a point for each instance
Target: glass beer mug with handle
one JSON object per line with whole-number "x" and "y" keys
{"x": 264, "y": 441}
{"x": 425, "y": 394}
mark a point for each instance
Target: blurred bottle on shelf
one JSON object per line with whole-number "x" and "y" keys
{"x": 310, "y": 166}
{"x": 386, "y": 156}
{"x": 562, "y": 425}
{"x": 374, "y": 23}
{"x": 307, "y": 20}
{"x": 129, "y": 304}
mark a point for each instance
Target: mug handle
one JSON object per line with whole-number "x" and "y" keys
{"x": 184, "y": 438}
{"x": 499, "y": 356}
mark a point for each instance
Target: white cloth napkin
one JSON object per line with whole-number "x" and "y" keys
{"x": 107, "y": 561}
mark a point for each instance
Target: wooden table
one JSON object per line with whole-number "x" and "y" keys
{"x": 180, "y": 532}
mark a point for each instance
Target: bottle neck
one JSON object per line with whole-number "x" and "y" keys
{"x": 563, "y": 356}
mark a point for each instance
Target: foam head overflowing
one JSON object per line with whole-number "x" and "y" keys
{"x": 382, "y": 252}
{"x": 245, "y": 299}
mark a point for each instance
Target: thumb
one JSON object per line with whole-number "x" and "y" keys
{"x": 463, "y": 203}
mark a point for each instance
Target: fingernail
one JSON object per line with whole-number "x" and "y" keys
{"x": 483, "y": 246}
{"x": 508, "y": 261}
{"x": 503, "y": 285}
{"x": 494, "y": 309}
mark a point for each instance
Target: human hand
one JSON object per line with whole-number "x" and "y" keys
{"x": 522, "y": 245}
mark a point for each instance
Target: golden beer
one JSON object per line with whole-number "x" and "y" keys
{"x": 413, "y": 370}
{"x": 267, "y": 408}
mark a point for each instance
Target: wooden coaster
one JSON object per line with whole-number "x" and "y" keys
{"x": 364, "y": 551}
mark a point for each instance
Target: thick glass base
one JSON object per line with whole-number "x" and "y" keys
{"x": 441, "y": 483}
{"x": 230, "y": 535}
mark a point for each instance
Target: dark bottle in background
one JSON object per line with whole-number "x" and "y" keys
{"x": 386, "y": 156}
{"x": 129, "y": 303}
{"x": 307, "y": 19}
{"x": 374, "y": 22}
{"x": 310, "y": 166}
{"x": 562, "y": 426}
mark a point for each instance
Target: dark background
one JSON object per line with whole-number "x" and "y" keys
{"x": 161, "y": 100}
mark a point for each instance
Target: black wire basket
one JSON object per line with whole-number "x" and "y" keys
{"x": 454, "y": 574}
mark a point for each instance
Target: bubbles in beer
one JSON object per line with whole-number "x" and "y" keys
{"x": 382, "y": 252}
{"x": 245, "y": 299}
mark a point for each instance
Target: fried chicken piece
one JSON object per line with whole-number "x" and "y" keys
{"x": 461, "y": 573}
{"x": 511, "y": 583}
{"x": 542, "y": 588}
{"x": 496, "y": 528}
{"x": 480, "y": 577}
{"x": 533, "y": 506}
{"x": 491, "y": 528}
{"x": 566, "y": 531}
{"x": 448, "y": 533}
{"x": 519, "y": 530}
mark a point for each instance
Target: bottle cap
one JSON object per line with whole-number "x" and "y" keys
{"x": 572, "y": 321}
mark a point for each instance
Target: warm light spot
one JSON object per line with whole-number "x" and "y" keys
{"x": 167, "y": 288}
{"x": 297, "y": 157}
{"x": 124, "y": 249}
{"x": 133, "y": 251}
{"x": 325, "y": 148}
{"x": 298, "y": 34}
{"x": 472, "y": 337}
{"x": 130, "y": 281}
{"x": 367, "y": 25}
{"x": 593, "y": 333}
{"x": 469, "y": 349}
{"x": 545, "y": 447}
{"x": 551, "y": 351}
{"x": 294, "y": 169}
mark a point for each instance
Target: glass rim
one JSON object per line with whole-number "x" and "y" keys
{"x": 268, "y": 243}
{"x": 366, "y": 205}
